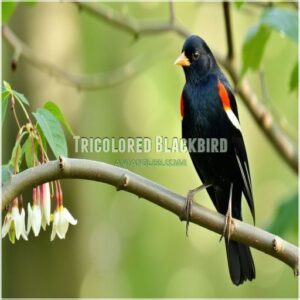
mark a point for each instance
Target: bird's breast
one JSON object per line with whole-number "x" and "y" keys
{"x": 203, "y": 113}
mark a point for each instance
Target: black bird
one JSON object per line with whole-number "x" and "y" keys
{"x": 209, "y": 110}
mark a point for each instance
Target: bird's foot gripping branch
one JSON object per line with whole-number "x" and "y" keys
{"x": 32, "y": 141}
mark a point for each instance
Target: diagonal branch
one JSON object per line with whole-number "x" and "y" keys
{"x": 125, "y": 180}
{"x": 130, "y": 24}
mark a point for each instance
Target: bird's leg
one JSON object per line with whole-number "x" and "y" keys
{"x": 186, "y": 212}
{"x": 228, "y": 217}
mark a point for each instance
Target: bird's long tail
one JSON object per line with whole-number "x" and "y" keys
{"x": 240, "y": 262}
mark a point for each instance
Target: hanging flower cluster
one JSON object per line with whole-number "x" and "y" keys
{"x": 32, "y": 141}
{"x": 39, "y": 215}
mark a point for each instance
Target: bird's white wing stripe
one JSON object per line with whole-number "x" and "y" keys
{"x": 233, "y": 119}
{"x": 247, "y": 171}
{"x": 243, "y": 175}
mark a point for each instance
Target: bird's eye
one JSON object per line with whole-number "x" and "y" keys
{"x": 196, "y": 55}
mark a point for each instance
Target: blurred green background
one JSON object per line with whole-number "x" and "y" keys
{"x": 124, "y": 246}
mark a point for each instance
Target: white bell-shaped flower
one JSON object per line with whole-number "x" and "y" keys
{"x": 61, "y": 220}
{"x": 34, "y": 220}
{"x": 19, "y": 219}
{"x": 14, "y": 223}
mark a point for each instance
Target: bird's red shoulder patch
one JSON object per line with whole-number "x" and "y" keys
{"x": 182, "y": 106}
{"x": 223, "y": 95}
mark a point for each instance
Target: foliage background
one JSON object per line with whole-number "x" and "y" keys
{"x": 124, "y": 246}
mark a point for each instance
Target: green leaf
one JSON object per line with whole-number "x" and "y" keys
{"x": 20, "y": 97}
{"x": 53, "y": 132}
{"x": 44, "y": 141}
{"x": 294, "y": 78}
{"x": 282, "y": 20}
{"x": 7, "y": 86}
{"x": 8, "y": 9}
{"x": 4, "y": 103}
{"x": 16, "y": 157}
{"x": 238, "y": 4}
{"x": 6, "y": 171}
{"x": 254, "y": 46}
{"x": 27, "y": 150}
{"x": 54, "y": 109}
{"x": 286, "y": 216}
{"x": 4, "y": 94}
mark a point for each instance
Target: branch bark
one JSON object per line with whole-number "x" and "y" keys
{"x": 144, "y": 188}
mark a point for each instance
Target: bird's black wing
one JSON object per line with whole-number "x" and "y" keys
{"x": 242, "y": 160}
{"x": 241, "y": 154}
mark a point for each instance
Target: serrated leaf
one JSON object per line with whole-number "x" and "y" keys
{"x": 294, "y": 78}
{"x": 53, "y": 132}
{"x": 20, "y": 97}
{"x": 6, "y": 172}
{"x": 282, "y": 20}
{"x": 28, "y": 151}
{"x": 8, "y": 9}
{"x": 254, "y": 46}
{"x": 286, "y": 216}
{"x": 54, "y": 109}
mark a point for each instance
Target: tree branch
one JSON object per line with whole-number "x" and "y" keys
{"x": 227, "y": 19}
{"x": 96, "y": 81}
{"x": 172, "y": 12}
{"x": 130, "y": 24}
{"x": 285, "y": 146}
{"x": 144, "y": 188}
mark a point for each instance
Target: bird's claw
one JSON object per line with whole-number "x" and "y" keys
{"x": 228, "y": 226}
{"x": 186, "y": 212}
{"x": 229, "y": 223}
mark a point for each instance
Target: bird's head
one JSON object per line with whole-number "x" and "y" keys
{"x": 196, "y": 58}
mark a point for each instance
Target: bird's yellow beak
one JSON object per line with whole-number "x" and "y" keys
{"x": 182, "y": 60}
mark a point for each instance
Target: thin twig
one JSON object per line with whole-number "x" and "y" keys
{"x": 281, "y": 120}
{"x": 285, "y": 146}
{"x": 227, "y": 19}
{"x": 159, "y": 195}
{"x": 13, "y": 109}
{"x": 172, "y": 12}
{"x": 96, "y": 81}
